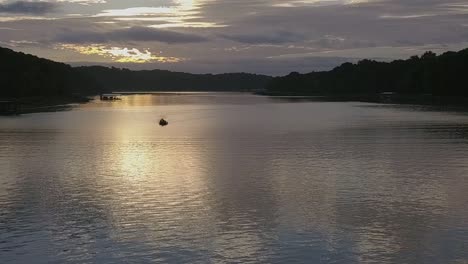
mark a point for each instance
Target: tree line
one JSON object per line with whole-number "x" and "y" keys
{"x": 23, "y": 75}
{"x": 429, "y": 74}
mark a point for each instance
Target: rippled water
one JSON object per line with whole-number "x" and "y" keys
{"x": 234, "y": 178}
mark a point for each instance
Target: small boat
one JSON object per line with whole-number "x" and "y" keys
{"x": 163, "y": 122}
{"x": 110, "y": 97}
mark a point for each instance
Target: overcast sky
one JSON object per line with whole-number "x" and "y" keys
{"x": 262, "y": 36}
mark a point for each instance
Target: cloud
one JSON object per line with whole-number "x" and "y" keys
{"x": 121, "y": 55}
{"x": 131, "y": 34}
{"x": 84, "y": 2}
{"x": 25, "y": 7}
{"x": 180, "y": 14}
{"x": 276, "y": 37}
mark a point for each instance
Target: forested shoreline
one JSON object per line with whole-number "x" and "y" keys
{"x": 429, "y": 74}
{"x": 445, "y": 75}
{"x": 23, "y": 75}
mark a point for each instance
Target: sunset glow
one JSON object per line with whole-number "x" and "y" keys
{"x": 202, "y": 36}
{"x": 123, "y": 55}
{"x": 234, "y": 131}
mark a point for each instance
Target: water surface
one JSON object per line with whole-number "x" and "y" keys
{"x": 234, "y": 178}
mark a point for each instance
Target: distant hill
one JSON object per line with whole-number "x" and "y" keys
{"x": 23, "y": 75}
{"x": 160, "y": 80}
{"x": 443, "y": 75}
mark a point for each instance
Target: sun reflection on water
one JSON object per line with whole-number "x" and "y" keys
{"x": 228, "y": 183}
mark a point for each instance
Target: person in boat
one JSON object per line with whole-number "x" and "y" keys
{"x": 163, "y": 122}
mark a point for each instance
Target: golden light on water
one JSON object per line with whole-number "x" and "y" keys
{"x": 148, "y": 185}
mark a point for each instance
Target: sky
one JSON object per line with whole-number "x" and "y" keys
{"x": 271, "y": 37}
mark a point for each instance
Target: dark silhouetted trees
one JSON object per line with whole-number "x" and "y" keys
{"x": 116, "y": 79}
{"x": 23, "y": 75}
{"x": 443, "y": 75}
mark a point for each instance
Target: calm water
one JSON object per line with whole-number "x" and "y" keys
{"x": 234, "y": 179}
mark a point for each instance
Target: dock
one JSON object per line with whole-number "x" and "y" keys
{"x": 9, "y": 107}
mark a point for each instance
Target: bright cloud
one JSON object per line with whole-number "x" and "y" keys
{"x": 180, "y": 13}
{"x": 140, "y": 11}
{"x": 122, "y": 55}
{"x": 84, "y": 2}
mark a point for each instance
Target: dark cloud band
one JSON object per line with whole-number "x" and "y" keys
{"x": 277, "y": 37}
{"x": 130, "y": 34}
{"x": 24, "y": 7}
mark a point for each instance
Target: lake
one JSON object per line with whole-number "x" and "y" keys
{"x": 234, "y": 178}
